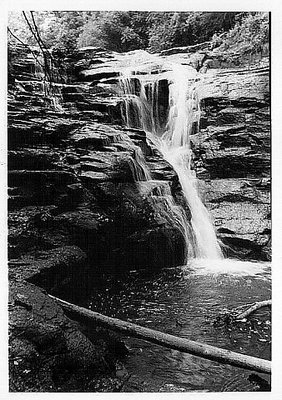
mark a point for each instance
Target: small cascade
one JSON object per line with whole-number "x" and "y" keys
{"x": 138, "y": 166}
{"x": 165, "y": 204}
{"x": 50, "y": 89}
{"x": 141, "y": 171}
{"x": 137, "y": 114}
{"x": 166, "y": 106}
{"x": 161, "y": 198}
{"x": 137, "y": 162}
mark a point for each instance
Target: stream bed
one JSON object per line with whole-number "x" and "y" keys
{"x": 186, "y": 302}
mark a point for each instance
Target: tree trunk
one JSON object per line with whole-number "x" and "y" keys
{"x": 166, "y": 340}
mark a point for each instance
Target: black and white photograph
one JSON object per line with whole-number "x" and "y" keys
{"x": 139, "y": 201}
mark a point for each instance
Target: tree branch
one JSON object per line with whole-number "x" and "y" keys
{"x": 47, "y": 72}
{"x": 253, "y": 308}
{"x": 26, "y": 45}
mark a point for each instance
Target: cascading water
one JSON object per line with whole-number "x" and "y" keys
{"x": 164, "y": 103}
{"x": 138, "y": 166}
{"x": 170, "y": 131}
{"x": 137, "y": 114}
{"x": 184, "y": 112}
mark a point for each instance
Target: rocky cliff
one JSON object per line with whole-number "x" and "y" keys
{"x": 76, "y": 210}
{"x": 232, "y": 154}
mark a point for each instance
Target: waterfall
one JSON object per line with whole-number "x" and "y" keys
{"x": 184, "y": 113}
{"x": 169, "y": 119}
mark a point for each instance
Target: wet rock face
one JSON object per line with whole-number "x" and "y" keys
{"x": 232, "y": 154}
{"x": 241, "y": 212}
{"x": 138, "y": 233}
{"x": 58, "y": 157}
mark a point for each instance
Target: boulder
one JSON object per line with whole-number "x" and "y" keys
{"x": 156, "y": 248}
{"x": 48, "y": 352}
{"x": 136, "y": 210}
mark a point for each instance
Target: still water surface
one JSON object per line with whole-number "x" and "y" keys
{"x": 186, "y": 302}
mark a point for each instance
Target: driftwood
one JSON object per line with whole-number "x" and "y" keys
{"x": 253, "y": 308}
{"x": 166, "y": 340}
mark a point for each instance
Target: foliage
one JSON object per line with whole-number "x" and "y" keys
{"x": 249, "y": 35}
{"x": 187, "y": 28}
{"x": 167, "y": 30}
{"x": 130, "y": 30}
{"x": 18, "y": 26}
{"x": 58, "y": 29}
{"x": 68, "y": 25}
{"x": 119, "y": 31}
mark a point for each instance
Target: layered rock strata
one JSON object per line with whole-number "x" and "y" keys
{"x": 81, "y": 203}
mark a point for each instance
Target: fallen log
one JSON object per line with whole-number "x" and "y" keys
{"x": 253, "y": 308}
{"x": 166, "y": 340}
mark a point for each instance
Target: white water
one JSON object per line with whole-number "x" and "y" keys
{"x": 175, "y": 146}
{"x": 231, "y": 267}
{"x": 172, "y": 137}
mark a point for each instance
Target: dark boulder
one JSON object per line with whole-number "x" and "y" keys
{"x": 48, "y": 352}
{"x": 156, "y": 248}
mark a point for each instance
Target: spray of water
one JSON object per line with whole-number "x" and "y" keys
{"x": 170, "y": 131}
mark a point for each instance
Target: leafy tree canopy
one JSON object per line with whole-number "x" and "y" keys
{"x": 129, "y": 30}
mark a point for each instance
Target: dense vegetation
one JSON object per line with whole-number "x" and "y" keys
{"x": 130, "y": 30}
{"x": 250, "y": 35}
